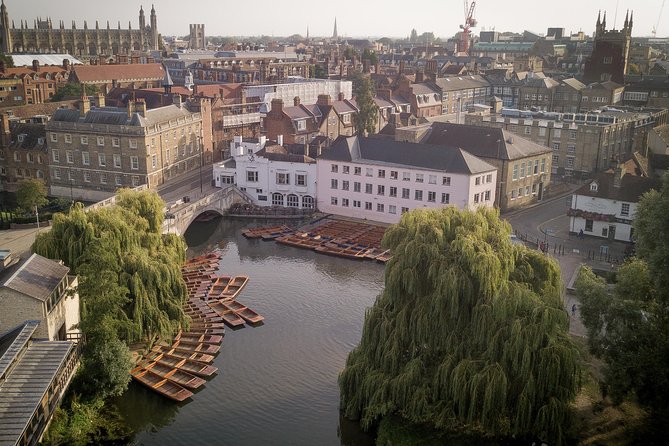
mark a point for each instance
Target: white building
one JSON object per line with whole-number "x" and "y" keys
{"x": 269, "y": 173}
{"x": 379, "y": 179}
{"x": 307, "y": 90}
{"x": 605, "y": 206}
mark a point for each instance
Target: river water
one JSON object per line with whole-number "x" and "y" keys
{"x": 277, "y": 383}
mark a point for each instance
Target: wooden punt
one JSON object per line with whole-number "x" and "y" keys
{"x": 234, "y": 287}
{"x": 243, "y": 311}
{"x": 200, "y": 319}
{"x": 198, "y": 325}
{"x": 384, "y": 256}
{"x": 188, "y": 365}
{"x": 219, "y": 286}
{"x": 196, "y": 331}
{"x": 181, "y": 353}
{"x": 260, "y": 232}
{"x": 178, "y": 376}
{"x": 228, "y": 316}
{"x": 203, "y": 338}
{"x": 209, "y": 349}
{"x": 160, "y": 385}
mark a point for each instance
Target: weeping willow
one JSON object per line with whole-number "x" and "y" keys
{"x": 129, "y": 274}
{"x": 468, "y": 334}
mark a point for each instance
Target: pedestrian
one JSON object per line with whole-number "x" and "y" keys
{"x": 580, "y": 234}
{"x": 573, "y": 310}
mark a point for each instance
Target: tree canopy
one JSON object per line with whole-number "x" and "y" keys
{"x": 73, "y": 90}
{"x": 628, "y": 323}
{"x": 31, "y": 194}
{"x": 366, "y": 118}
{"x": 469, "y": 334}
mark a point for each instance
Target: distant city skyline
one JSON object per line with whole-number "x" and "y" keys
{"x": 354, "y": 18}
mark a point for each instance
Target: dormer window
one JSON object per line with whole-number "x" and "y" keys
{"x": 21, "y": 137}
{"x": 593, "y": 187}
{"x": 40, "y": 140}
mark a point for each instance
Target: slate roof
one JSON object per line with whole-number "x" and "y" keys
{"x": 663, "y": 132}
{"x": 389, "y": 152}
{"x": 30, "y": 110}
{"x": 573, "y": 83}
{"x": 120, "y": 72}
{"x": 37, "y": 277}
{"x": 484, "y": 142}
{"x": 31, "y": 136}
{"x": 279, "y": 153}
{"x": 461, "y": 82}
{"x": 119, "y": 116}
{"x": 632, "y": 187}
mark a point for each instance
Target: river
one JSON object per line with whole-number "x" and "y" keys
{"x": 277, "y": 383}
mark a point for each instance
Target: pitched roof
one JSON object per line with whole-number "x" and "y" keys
{"x": 399, "y": 153}
{"x": 279, "y": 153}
{"x": 461, "y": 82}
{"x": 119, "y": 116}
{"x": 34, "y": 136}
{"x": 663, "y": 132}
{"x": 30, "y": 110}
{"x": 484, "y": 142}
{"x": 121, "y": 72}
{"x": 573, "y": 83}
{"x": 632, "y": 187}
{"x": 37, "y": 277}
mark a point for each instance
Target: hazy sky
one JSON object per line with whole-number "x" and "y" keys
{"x": 354, "y": 17}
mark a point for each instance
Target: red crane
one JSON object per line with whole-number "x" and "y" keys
{"x": 470, "y": 22}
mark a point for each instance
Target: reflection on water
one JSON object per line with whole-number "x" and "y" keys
{"x": 277, "y": 383}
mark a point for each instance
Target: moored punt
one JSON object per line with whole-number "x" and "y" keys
{"x": 181, "y": 353}
{"x": 209, "y": 349}
{"x": 196, "y": 331}
{"x": 188, "y": 365}
{"x": 250, "y": 316}
{"x": 226, "y": 314}
{"x": 219, "y": 286}
{"x": 384, "y": 256}
{"x": 234, "y": 287}
{"x": 199, "y": 338}
{"x": 160, "y": 385}
{"x": 175, "y": 375}
{"x": 262, "y": 231}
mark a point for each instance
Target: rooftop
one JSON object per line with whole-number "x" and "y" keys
{"x": 36, "y": 277}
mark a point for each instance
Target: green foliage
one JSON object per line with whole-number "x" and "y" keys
{"x": 469, "y": 334}
{"x": 370, "y": 55}
{"x": 366, "y": 118}
{"x": 30, "y": 194}
{"x": 350, "y": 53}
{"x": 7, "y": 59}
{"x": 104, "y": 366}
{"x": 73, "y": 90}
{"x": 319, "y": 71}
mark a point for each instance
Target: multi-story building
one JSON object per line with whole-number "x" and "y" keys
{"x": 610, "y": 54}
{"x": 31, "y": 85}
{"x": 23, "y": 154}
{"x": 459, "y": 93}
{"x": 44, "y": 38}
{"x": 106, "y": 77}
{"x": 269, "y": 173}
{"x": 523, "y": 166}
{"x": 94, "y": 151}
{"x": 380, "y": 179}
{"x": 425, "y": 97}
{"x": 605, "y": 206}
{"x": 581, "y": 143}
{"x": 536, "y": 92}
{"x": 647, "y": 91}
{"x": 601, "y": 94}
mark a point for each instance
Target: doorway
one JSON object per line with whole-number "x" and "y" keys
{"x": 612, "y": 232}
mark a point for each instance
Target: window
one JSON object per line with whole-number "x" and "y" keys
{"x": 68, "y": 138}
{"x": 54, "y": 137}
{"x": 344, "y": 202}
{"x": 515, "y": 172}
{"x": 522, "y": 170}
{"x": 487, "y": 195}
{"x": 102, "y": 160}
{"x": 405, "y": 193}
{"x": 555, "y": 158}
{"x": 570, "y": 162}
{"x": 405, "y": 210}
{"x": 607, "y": 60}
{"x": 477, "y": 181}
{"x": 69, "y": 156}
{"x": 277, "y": 199}
{"x": 39, "y": 174}
{"x": 556, "y": 146}
{"x": 381, "y": 173}
{"x": 282, "y": 178}
{"x": 536, "y": 167}
{"x": 392, "y": 209}
{"x": 528, "y": 130}
{"x": 101, "y": 140}
{"x": 134, "y": 163}
{"x": 369, "y": 172}
{"x": 118, "y": 180}
{"x": 571, "y": 148}
{"x": 116, "y": 142}
{"x": 445, "y": 198}
{"x": 117, "y": 161}
{"x": 369, "y": 188}
{"x": 17, "y": 157}
{"x": 292, "y": 201}
{"x": 132, "y": 143}
{"x": 85, "y": 159}
{"x": 357, "y": 171}
{"x": 588, "y": 225}
{"x": 393, "y": 191}
{"x": 380, "y": 189}
{"x": 542, "y": 131}
{"x": 605, "y": 232}
{"x": 84, "y": 140}
{"x": 431, "y": 196}
{"x": 432, "y": 179}
{"x": 135, "y": 181}
{"x": 368, "y": 206}
{"x": 308, "y": 202}
{"x": 87, "y": 177}
{"x": 344, "y": 185}
{"x": 446, "y": 181}
{"x": 345, "y": 169}
{"x": 346, "y": 118}
{"x": 356, "y": 187}
{"x": 252, "y": 176}
{"x": 379, "y": 207}
{"x": 543, "y": 165}
{"x": 334, "y": 184}
{"x": 334, "y": 168}
{"x": 527, "y": 190}
{"x": 103, "y": 178}
{"x": 167, "y": 156}
{"x": 154, "y": 161}
{"x": 393, "y": 174}
{"x": 572, "y": 134}
{"x": 418, "y": 195}
{"x": 476, "y": 198}
{"x": 56, "y": 174}
{"x": 513, "y": 194}
{"x": 419, "y": 178}
{"x": 30, "y": 157}
{"x": 301, "y": 124}
{"x": 625, "y": 209}
{"x": 301, "y": 179}
{"x": 406, "y": 176}
{"x": 356, "y": 204}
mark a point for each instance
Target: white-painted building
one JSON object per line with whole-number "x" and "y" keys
{"x": 307, "y": 90}
{"x": 379, "y": 179}
{"x": 269, "y": 173}
{"x": 605, "y": 206}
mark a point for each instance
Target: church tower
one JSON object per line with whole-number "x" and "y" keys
{"x": 610, "y": 54}
{"x": 6, "y": 35}
{"x": 155, "y": 45}
{"x": 142, "y": 28}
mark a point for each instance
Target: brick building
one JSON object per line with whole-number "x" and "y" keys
{"x": 31, "y": 85}
{"x": 610, "y": 54}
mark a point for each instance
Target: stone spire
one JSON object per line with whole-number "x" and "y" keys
{"x": 334, "y": 33}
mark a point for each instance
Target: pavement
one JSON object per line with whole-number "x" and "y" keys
{"x": 19, "y": 241}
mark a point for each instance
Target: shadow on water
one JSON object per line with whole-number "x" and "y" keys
{"x": 142, "y": 409}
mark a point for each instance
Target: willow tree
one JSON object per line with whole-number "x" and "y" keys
{"x": 469, "y": 333}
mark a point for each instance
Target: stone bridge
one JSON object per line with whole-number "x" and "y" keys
{"x": 180, "y": 214}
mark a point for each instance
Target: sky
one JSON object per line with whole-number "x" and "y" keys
{"x": 355, "y": 18}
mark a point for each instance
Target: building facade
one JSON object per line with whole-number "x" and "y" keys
{"x": 380, "y": 179}
{"x": 610, "y": 54}
{"x": 45, "y": 38}
{"x": 31, "y": 84}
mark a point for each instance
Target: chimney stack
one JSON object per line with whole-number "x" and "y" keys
{"x": 131, "y": 108}
{"x": 176, "y": 100}
{"x": 140, "y": 106}
{"x": 35, "y": 65}
{"x": 296, "y": 101}
{"x": 340, "y": 96}
{"x": 101, "y": 100}
{"x": 324, "y": 100}
{"x": 66, "y": 64}
{"x": 277, "y": 105}
{"x": 84, "y": 105}
{"x": 618, "y": 175}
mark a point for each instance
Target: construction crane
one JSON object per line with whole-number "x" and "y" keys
{"x": 470, "y": 22}
{"x": 659, "y": 16}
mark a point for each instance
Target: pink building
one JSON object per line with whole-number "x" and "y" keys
{"x": 379, "y": 179}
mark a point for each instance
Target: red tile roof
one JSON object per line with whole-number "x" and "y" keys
{"x": 121, "y": 72}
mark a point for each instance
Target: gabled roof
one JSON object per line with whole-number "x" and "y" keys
{"x": 461, "y": 82}
{"x": 122, "y": 72}
{"x": 663, "y": 132}
{"x": 484, "y": 142}
{"x": 573, "y": 83}
{"x": 632, "y": 187}
{"x": 119, "y": 116}
{"x": 279, "y": 153}
{"x": 37, "y": 277}
{"x": 30, "y": 110}
{"x": 33, "y": 136}
{"x": 358, "y": 149}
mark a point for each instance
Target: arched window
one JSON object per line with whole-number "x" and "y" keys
{"x": 307, "y": 202}
{"x": 277, "y": 199}
{"x": 292, "y": 201}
